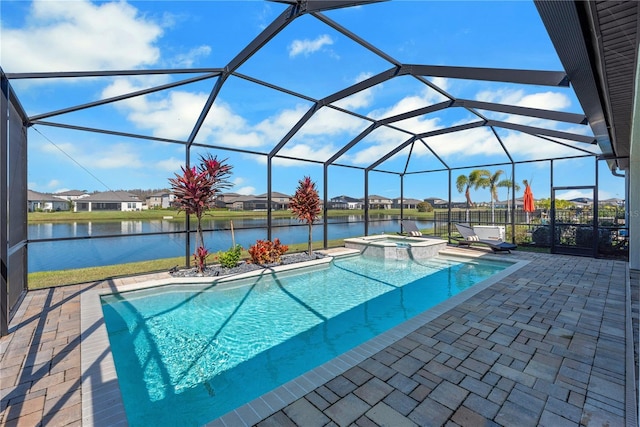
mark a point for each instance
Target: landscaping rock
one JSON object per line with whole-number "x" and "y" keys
{"x": 243, "y": 267}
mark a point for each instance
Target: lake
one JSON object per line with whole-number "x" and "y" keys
{"x": 88, "y": 250}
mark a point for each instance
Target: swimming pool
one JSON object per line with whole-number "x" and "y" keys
{"x": 187, "y": 354}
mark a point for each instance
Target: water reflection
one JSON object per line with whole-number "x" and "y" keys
{"x": 70, "y": 254}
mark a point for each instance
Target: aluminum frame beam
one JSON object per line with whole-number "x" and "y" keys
{"x": 504, "y": 75}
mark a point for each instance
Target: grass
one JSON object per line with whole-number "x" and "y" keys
{"x": 48, "y": 279}
{"x": 156, "y": 214}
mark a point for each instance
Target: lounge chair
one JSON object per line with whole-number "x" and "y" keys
{"x": 469, "y": 237}
{"x": 411, "y": 228}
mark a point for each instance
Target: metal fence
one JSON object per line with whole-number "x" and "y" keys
{"x": 574, "y": 227}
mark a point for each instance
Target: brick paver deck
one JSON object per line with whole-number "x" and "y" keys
{"x": 546, "y": 345}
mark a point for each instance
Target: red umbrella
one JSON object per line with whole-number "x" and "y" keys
{"x": 529, "y": 205}
{"x": 527, "y": 200}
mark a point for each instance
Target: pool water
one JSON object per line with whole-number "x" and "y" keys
{"x": 187, "y": 354}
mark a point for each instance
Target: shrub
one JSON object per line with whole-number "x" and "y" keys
{"x": 196, "y": 189}
{"x": 230, "y": 258}
{"x": 305, "y": 205}
{"x": 542, "y": 235}
{"x": 424, "y": 207}
{"x": 267, "y": 252}
{"x": 200, "y": 258}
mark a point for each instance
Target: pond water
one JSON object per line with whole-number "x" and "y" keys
{"x": 87, "y": 251}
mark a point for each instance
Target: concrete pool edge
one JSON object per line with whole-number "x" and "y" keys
{"x": 102, "y": 403}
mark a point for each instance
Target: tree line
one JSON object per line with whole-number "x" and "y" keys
{"x": 483, "y": 178}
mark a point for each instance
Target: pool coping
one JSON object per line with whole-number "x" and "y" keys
{"x": 102, "y": 403}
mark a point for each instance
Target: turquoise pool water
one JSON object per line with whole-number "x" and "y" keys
{"x": 187, "y": 354}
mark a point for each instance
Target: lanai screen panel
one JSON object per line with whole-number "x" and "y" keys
{"x": 378, "y": 100}
{"x": 17, "y": 206}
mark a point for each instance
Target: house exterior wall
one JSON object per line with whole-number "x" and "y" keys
{"x": 155, "y": 202}
{"x": 47, "y": 205}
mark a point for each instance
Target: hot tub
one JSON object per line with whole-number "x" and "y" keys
{"x": 396, "y": 247}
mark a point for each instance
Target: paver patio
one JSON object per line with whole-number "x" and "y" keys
{"x": 546, "y": 345}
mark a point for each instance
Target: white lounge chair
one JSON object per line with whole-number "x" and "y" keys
{"x": 469, "y": 237}
{"x": 411, "y": 228}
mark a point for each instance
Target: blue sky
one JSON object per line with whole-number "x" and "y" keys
{"x": 307, "y": 57}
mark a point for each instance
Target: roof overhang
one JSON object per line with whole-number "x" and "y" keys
{"x": 597, "y": 43}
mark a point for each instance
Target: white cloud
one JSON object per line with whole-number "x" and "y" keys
{"x": 553, "y": 101}
{"x": 169, "y": 165}
{"x": 574, "y": 194}
{"x": 275, "y": 127}
{"x": 384, "y": 140}
{"x": 175, "y": 114}
{"x": 80, "y": 35}
{"x": 527, "y": 146}
{"x": 246, "y": 191}
{"x": 328, "y": 122}
{"x": 473, "y": 142}
{"x": 304, "y": 151}
{"x": 306, "y": 47}
{"x": 409, "y": 103}
{"x": 113, "y": 156}
{"x": 361, "y": 99}
{"x": 169, "y": 117}
{"x": 53, "y": 183}
{"x": 378, "y": 144}
{"x": 188, "y": 59}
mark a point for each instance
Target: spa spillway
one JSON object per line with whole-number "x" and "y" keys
{"x": 396, "y": 247}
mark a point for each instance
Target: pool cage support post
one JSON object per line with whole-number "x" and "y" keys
{"x": 4, "y": 194}
{"x": 325, "y": 209}
{"x": 366, "y": 202}
{"x": 552, "y": 207}
{"x": 187, "y": 217}
{"x": 448, "y": 208}
{"x": 269, "y": 216}
{"x": 596, "y": 222}
{"x": 401, "y": 201}
{"x": 512, "y": 215}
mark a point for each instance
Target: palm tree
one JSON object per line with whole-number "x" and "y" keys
{"x": 508, "y": 184}
{"x": 465, "y": 183}
{"x": 491, "y": 181}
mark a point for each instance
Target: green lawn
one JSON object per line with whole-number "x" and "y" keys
{"x": 48, "y": 279}
{"x": 82, "y": 275}
{"x": 64, "y": 216}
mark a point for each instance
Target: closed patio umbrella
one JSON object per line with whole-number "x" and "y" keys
{"x": 529, "y": 205}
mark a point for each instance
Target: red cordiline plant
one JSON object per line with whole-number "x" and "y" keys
{"x": 195, "y": 192}
{"x": 267, "y": 252}
{"x": 305, "y": 205}
{"x": 200, "y": 258}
